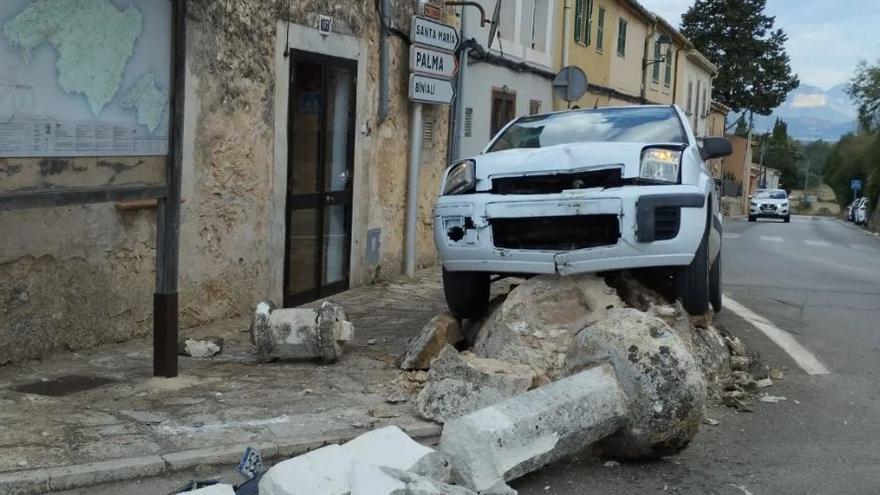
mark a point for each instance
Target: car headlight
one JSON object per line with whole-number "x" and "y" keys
{"x": 461, "y": 178}
{"x": 784, "y": 205}
{"x": 660, "y": 164}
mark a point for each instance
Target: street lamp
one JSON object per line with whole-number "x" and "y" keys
{"x": 664, "y": 41}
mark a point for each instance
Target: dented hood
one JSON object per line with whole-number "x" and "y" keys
{"x": 559, "y": 158}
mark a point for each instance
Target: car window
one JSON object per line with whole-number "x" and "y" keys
{"x": 771, "y": 194}
{"x": 645, "y": 124}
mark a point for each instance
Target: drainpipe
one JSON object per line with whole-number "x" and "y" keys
{"x": 648, "y": 39}
{"x": 458, "y": 106}
{"x": 384, "y": 65}
{"x": 675, "y": 76}
{"x": 566, "y": 21}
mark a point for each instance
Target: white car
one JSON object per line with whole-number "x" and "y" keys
{"x": 583, "y": 191}
{"x": 769, "y": 203}
{"x": 860, "y": 212}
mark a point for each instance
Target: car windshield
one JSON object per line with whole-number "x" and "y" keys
{"x": 635, "y": 124}
{"x": 770, "y": 195}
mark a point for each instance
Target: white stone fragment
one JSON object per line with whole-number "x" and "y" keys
{"x": 300, "y": 333}
{"x": 502, "y": 442}
{"x": 218, "y": 489}
{"x": 391, "y": 447}
{"x": 323, "y": 471}
{"x": 367, "y": 479}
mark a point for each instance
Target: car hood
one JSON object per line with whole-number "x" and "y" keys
{"x": 559, "y": 158}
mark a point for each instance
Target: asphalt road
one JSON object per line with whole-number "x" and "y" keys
{"x": 816, "y": 278}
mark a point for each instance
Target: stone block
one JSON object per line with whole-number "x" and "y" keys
{"x": 218, "y": 489}
{"x": 300, "y": 333}
{"x": 368, "y": 479}
{"x": 461, "y": 383}
{"x": 519, "y": 435}
{"x": 427, "y": 344}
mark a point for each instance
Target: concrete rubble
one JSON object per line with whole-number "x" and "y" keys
{"x": 540, "y": 317}
{"x": 519, "y": 435}
{"x": 328, "y": 470}
{"x": 200, "y": 348}
{"x": 300, "y": 333}
{"x": 460, "y": 383}
{"x": 369, "y": 479}
{"x": 427, "y": 344}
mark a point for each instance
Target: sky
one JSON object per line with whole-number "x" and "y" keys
{"x": 826, "y": 38}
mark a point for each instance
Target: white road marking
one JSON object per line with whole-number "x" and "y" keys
{"x": 728, "y": 235}
{"x": 804, "y": 358}
{"x": 771, "y": 238}
{"x": 862, "y": 247}
{"x": 816, "y": 243}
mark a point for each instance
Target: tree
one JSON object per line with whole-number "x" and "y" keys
{"x": 781, "y": 153}
{"x": 742, "y": 127}
{"x": 754, "y": 71}
{"x": 864, "y": 88}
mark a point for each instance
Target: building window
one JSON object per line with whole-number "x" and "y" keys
{"x": 667, "y": 78}
{"x": 655, "y": 73}
{"x": 468, "y": 122}
{"x": 583, "y": 18}
{"x": 600, "y": 29}
{"x": 534, "y": 107}
{"x": 705, "y": 101}
{"x": 621, "y": 38}
{"x": 503, "y": 109}
{"x": 534, "y": 24}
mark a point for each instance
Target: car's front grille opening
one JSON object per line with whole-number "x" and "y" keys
{"x": 556, "y": 233}
{"x": 666, "y": 222}
{"x": 556, "y": 183}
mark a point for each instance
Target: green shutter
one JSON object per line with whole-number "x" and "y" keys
{"x": 667, "y": 79}
{"x": 656, "y": 72}
{"x": 621, "y": 37}
{"x": 600, "y": 29}
{"x": 578, "y": 19}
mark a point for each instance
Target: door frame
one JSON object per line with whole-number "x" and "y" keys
{"x": 322, "y": 197}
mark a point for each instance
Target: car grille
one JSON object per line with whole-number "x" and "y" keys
{"x": 768, "y": 207}
{"x": 556, "y": 233}
{"x": 556, "y": 183}
{"x": 667, "y": 220}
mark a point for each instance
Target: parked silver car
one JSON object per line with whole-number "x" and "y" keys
{"x": 583, "y": 191}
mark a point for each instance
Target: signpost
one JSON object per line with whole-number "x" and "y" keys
{"x": 432, "y": 64}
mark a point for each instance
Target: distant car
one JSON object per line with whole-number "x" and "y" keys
{"x": 860, "y": 217}
{"x": 851, "y": 210}
{"x": 578, "y": 191}
{"x": 769, "y": 203}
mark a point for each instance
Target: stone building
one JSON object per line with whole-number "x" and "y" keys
{"x": 294, "y": 182}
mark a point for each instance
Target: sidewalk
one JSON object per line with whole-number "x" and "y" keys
{"x": 216, "y": 407}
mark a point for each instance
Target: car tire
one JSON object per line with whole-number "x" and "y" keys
{"x": 692, "y": 281}
{"x": 715, "y": 284}
{"x": 751, "y": 218}
{"x": 787, "y": 219}
{"x": 467, "y": 293}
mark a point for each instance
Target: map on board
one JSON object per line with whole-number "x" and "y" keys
{"x": 84, "y": 77}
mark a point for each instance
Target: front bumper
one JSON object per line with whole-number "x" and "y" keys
{"x": 463, "y": 230}
{"x": 759, "y": 212}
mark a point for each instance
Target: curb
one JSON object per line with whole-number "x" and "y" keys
{"x": 36, "y": 481}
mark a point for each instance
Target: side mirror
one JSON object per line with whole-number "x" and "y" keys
{"x": 715, "y": 147}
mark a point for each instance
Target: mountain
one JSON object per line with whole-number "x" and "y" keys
{"x": 813, "y": 113}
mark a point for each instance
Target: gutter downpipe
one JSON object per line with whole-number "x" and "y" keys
{"x": 675, "y": 76}
{"x": 566, "y": 21}
{"x": 458, "y": 106}
{"x": 648, "y": 38}
{"x": 384, "y": 101}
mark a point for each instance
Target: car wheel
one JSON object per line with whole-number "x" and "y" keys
{"x": 467, "y": 293}
{"x": 715, "y": 284}
{"x": 787, "y": 219}
{"x": 751, "y": 218}
{"x": 692, "y": 282}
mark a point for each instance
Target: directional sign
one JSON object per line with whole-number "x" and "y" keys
{"x": 431, "y": 33}
{"x": 432, "y": 62}
{"x": 424, "y": 89}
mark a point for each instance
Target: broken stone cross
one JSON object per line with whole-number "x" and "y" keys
{"x": 300, "y": 333}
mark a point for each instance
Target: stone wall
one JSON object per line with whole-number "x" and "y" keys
{"x": 79, "y": 276}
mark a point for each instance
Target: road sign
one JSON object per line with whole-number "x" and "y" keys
{"x": 570, "y": 84}
{"x": 432, "y": 62}
{"x": 433, "y": 11}
{"x": 855, "y": 185}
{"x": 429, "y": 32}
{"x": 424, "y": 89}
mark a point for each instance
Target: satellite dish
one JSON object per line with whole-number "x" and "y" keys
{"x": 494, "y": 27}
{"x": 570, "y": 84}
